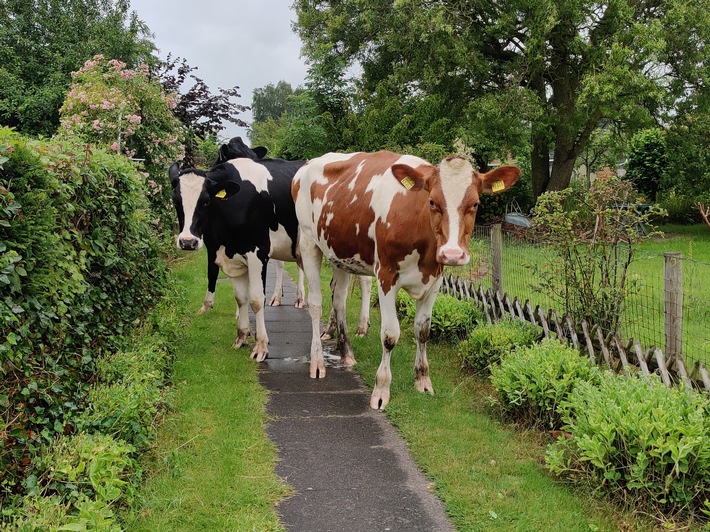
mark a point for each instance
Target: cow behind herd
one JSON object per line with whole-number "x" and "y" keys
{"x": 395, "y": 217}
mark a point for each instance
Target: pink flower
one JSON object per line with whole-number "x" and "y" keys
{"x": 115, "y": 146}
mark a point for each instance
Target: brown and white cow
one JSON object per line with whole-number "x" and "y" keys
{"x": 396, "y": 217}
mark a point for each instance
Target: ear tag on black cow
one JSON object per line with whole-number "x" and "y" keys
{"x": 407, "y": 183}
{"x": 221, "y": 194}
{"x": 497, "y": 186}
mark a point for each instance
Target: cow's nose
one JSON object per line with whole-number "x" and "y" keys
{"x": 188, "y": 244}
{"x": 452, "y": 257}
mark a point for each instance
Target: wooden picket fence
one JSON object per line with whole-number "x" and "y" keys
{"x": 603, "y": 349}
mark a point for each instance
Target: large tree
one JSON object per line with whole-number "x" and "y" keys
{"x": 43, "y": 41}
{"x": 558, "y": 70}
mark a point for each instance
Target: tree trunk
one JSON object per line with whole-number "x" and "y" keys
{"x": 540, "y": 164}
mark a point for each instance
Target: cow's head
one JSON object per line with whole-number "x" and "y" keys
{"x": 193, "y": 192}
{"x": 236, "y": 149}
{"x": 454, "y": 188}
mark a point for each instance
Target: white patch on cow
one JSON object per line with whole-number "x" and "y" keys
{"x": 410, "y": 277}
{"x": 329, "y": 218}
{"x": 280, "y": 245}
{"x": 253, "y": 172}
{"x": 231, "y": 266}
{"x": 456, "y": 177}
{"x": 190, "y": 190}
{"x": 357, "y": 229}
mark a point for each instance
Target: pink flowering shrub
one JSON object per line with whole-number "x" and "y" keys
{"x": 125, "y": 111}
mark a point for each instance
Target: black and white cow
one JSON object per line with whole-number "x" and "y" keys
{"x": 236, "y": 149}
{"x": 243, "y": 212}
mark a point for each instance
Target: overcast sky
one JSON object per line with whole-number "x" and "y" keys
{"x": 247, "y": 43}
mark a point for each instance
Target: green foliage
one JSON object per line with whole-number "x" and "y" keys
{"x": 647, "y": 163}
{"x": 638, "y": 441}
{"x": 451, "y": 318}
{"x": 531, "y": 382}
{"x": 553, "y": 73}
{"x": 43, "y": 41}
{"x": 488, "y": 344}
{"x": 679, "y": 206}
{"x": 125, "y": 111}
{"x": 271, "y": 101}
{"x": 81, "y": 265}
{"x": 592, "y": 233}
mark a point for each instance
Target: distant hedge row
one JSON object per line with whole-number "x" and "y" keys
{"x": 80, "y": 265}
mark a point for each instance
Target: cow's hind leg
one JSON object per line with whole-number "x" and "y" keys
{"x": 340, "y": 284}
{"x": 422, "y": 327}
{"x": 300, "y": 291}
{"x": 312, "y": 256}
{"x": 329, "y": 331}
{"x": 365, "y": 292}
{"x": 240, "y": 287}
{"x": 275, "y": 300}
{"x": 389, "y": 334}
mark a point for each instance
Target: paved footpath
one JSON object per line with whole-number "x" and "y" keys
{"x": 350, "y": 469}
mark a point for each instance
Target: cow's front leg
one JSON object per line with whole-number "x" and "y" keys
{"x": 240, "y": 287}
{"x": 257, "y": 276}
{"x": 312, "y": 257}
{"x": 389, "y": 334}
{"x": 422, "y": 327}
{"x": 340, "y": 285}
{"x": 212, "y": 274}
{"x": 275, "y": 300}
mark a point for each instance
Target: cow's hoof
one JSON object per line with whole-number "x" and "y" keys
{"x": 241, "y": 339}
{"x": 259, "y": 356}
{"x": 348, "y": 360}
{"x": 379, "y": 398}
{"x": 204, "y": 308}
{"x": 300, "y": 303}
{"x": 423, "y": 384}
{"x": 318, "y": 371}
{"x": 275, "y": 302}
{"x": 361, "y": 331}
{"x": 326, "y": 336}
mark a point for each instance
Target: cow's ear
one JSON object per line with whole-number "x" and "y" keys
{"x": 260, "y": 152}
{"x": 410, "y": 178}
{"x": 499, "y": 179}
{"x": 222, "y": 190}
{"x": 174, "y": 173}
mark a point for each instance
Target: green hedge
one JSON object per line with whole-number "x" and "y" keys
{"x": 80, "y": 265}
{"x": 489, "y": 343}
{"x": 451, "y": 318}
{"x": 637, "y": 440}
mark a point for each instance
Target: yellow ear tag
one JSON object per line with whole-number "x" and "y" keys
{"x": 407, "y": 183}
{"x": 221, "y": 194}
{"x": 497, "y": 186}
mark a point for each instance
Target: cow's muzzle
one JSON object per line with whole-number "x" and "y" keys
{"x": 189, "y": 243}
{"x": 452, "y": 257}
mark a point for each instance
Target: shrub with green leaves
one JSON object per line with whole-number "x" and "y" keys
{"x": 489, "y": 343}
{"x": 451, "y": 318}
{"x": 638, "y": 441}
{"x": 81, "y": 266}
{"x": 531, "y": 382}
{"x": 80, "y": 481}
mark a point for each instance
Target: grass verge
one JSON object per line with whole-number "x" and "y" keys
{"x": 212, "y": 467}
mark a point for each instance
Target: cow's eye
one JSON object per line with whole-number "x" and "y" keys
{"x": 474, "y": 207}
{"x": 432, "y": 204}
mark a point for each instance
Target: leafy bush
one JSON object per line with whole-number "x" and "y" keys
{"x": 638, "y": 441}
{"x": 488, "y": 344}
{"x": 532, "y": 381}
{"x": 81, "y": 266}
{"x": 680, "y": 208}
{"x": 451, "y": 318}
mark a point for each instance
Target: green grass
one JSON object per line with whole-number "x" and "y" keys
{"x": 489, "y": 475}
{"x": 213, "y": 466}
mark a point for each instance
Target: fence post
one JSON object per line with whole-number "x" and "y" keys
{"x": 673, "y": 290}
{"x": 497, "y": 258}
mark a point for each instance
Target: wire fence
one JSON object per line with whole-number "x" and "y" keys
{"x": 650, "y": 314}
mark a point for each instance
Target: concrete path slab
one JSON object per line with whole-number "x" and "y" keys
{"x": 350, "y": 469}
